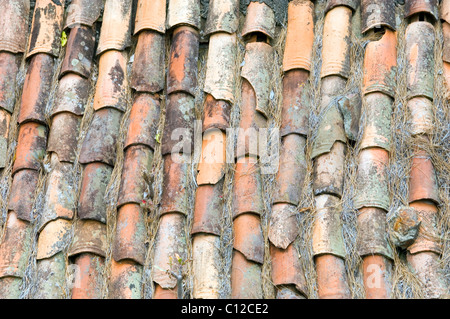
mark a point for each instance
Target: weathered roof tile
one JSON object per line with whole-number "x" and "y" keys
{"x": 14, "y": 25}
{"x": 150, "y": 15}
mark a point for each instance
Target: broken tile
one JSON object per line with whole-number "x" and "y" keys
{"x": 248, "y": 237}
{"x": 429, "y": 239}
{"x": 9, "y": 67}
{"x": 376, "y": 13}
{"x": 125, "y": 281}
{"x": 211, "y": 167}
{"x": 246, "y": 278}
{"x": 283, "y": 225}
{"x": 53, "y": 238}
{"x": 83, "y": 12}
{"x": 216, "y": 114}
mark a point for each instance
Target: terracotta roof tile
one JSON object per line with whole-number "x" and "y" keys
{"x": 51, "y": 272}
{"x": 446, "y": 48}
{"x": 223, "y": 17}
{"x": 332, "y": 278}
{"x": 260, "y": 18}
{"x": 246, "y": 278}
{"x": 52, "y": 237}
{"x": 62, "y": 139}
{"x": 174, "y": 195}
{"x": 10, "y": 287}
{"x": 283, "y": 225}
{"x": 379, "y": 270}
{"x": 445, "y": 10}
{"x": 150, "y": 15}
{"x": 161, "y": 293}
{"x": 9, "y": 67}
{"x": 422, "y": 6}
{"x": 216, "y": 114}
{"x": 31, "y": 145}
{"x": 83, "y": 12}
{"x": 5, "y": 119}
{"x": 88, "y": 283}
{"x": 422, "y": 183}
{"x": 331, "y": 4}
{"x": 377, "y": 13}
{"x": 211, "y": 167}
{"x": 15, "y": 27}
{"x": 71, "y": 95}
{"x": 89, "y": 237}
{"x": 208, "y": 209}
{"x": 205, "y": 257}
{"x": 248, "y": 237}
{"x": 183, "y": 12}
{"x": 125, "y": 280}
{"x": 23, "y": 188}
{"x": 421, "y": 109}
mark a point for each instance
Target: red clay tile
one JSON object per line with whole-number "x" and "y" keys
{"x": 36, "y": 89}
{"x": 211, "y": 167}
{"x": 260, "y": 19}
{"x": 377, "y": 126}
{"x": 137, "y": 165}
{"x": 446, "y": 68}
{"x": 445, "y": 10}
{"x": 83, "y": 12}
{"x": 332, "y": 86}
{"x": 208, "y": 209}
{"x": 174, "y": 195}
{"x": 248, "y": 237}
{"x": 283, "y": 225}
{"x": 59, "y": 201}
{"x": 148, "y": 72}
{"x": 116, "y": 26}
{"x": 216, "y": 114}
{"x": 178, "y": 134}
{"x": 257, "y": 71}
{"x": 183, "y": 12}
{"x": 125, "y": 281}
{"x": 300, "y": 36}
{"x": 380, "y": 64}
{"x": 144, "y": 120}
{"x": 89, "y": 283}
{"x": 423, "y": 183}
{"x": 428, "y": 238}
{"x": 295, "y": 108}
{"x": 372, "y": 233}
{"x": 336, "y": 42}
{"x": 22, "y": 194}
{"x": 14, "y": 25}
{"x": 91, "y": 203}
{"x": 221, "y": 66}
{"x": 79, "y": 52}
{"x": 421, "y": 110}
{"x": 329, "y": 171}
{"x": 377, "y": 274}
{"x": 150, "y": 15}
{"x": 99, "y": 144}
{"x": 352, "y": 4}
{"x": 205, "y": 266}
{"x": 288, "y": 293}
{"x": 63, "y": 136}
{"x": 9, "y": 67}
{"x": 223, "y": 16}
{"x": 422, "y": 6}
{"x": 31, "y": 145}
{"x": 46, "y": 28}
{"x": 52, "y": 237}
{"x": 71, "y": 95}
{"x": 5, "y": 119}
{"x": 286, "y": 268}
{"x": 425, "y": 267}
{"x": 131, "y": 233}
{"x": 327, "y": 230}
{"x": 350, "y": 107}
{"x": 112, "y": 83}
{"x": 247, "y": 187}
{"x": 420, "y": 39}
{"x": 51, "y": 278}
{"x": 246, "y": 278}
{"x": 161, "y": 293}
{"x": 331, "y": 278}
{"x": 15, "y": 247}
{"x": 170, "y": 244}
{"x": 376, "y": 13}
{"x": 446, "y": 48}
{"x": 89, "y": 237}
{"x": 291, "y": 171}
{"x": 183, "y": 60}
{"x": 372, "y": 179}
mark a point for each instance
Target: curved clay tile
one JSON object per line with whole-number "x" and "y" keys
{"x": 216, "y": 114}
{"x": 161, "y": 293}
{"x": 63, "y": 139}
{"x": 295, "y": 106}
{"x": 421, "y": 110}
{"x": 31, "y": 145}
{"x": 36, "y": 89}
{"x": 150, "y": 15}
{"x": 332, "y": 282}
{"x": 83, "y": 12}
{"x": 22, "y": 194}
{"x": 130, "y": 234}
{"x": 336, "y": 42}
{"x": 137, "y": 165}
{"x": 147, "y": 74}
{"x": 350, "y": 107}
{"x": 174, "y": 196}
{"x": 291, "y": 171}
{"x": 183, "y": 61}
{"x": 300, "y": 36}
{"x": 422, "y": 6}
{"x": 206, "y": 274}
{"x": 328, "y": 171}
{"x": 283, "y": 225}
{"x": 380, "y": 64}
{"x": 246, "y": 278}
{"x": 52, "y": 237}
{"x": 14, "y": 25}
{"x": 428, "y": 239}
{"x": 422, "y": 182}
{"x": 208, "y": 209}
{"x": 49, "y": 285}
{"x": 125, "y": 279}
{"x": 9, "y": 67}
{"x": 5, "y": 119}
{"x": 79, "y": 52}
{"x": 377, "y": 13}
{"x": 372, "y": 179}
{"x": 116, "y": 26}
{"x": 379, "y": 270}
{"x": 221, "y": 66}
{"x": 446, "y": 48}
{"x": 420, "y": 39}
{"x": 260, "y": 19}
{"x": 248, "y": 237}
{"x": 445, "y": 10}
{"x": 105, "y": 124}
{"x": 247, "y": 197}
{"x": 91, "y": 202}
{"x": 88, "y": 282}
{"x": 223, "y": 17}
{"x": 71, "y": 95}
{"x": 46, "y": 28}
{"x": 211, "y": 167}
{"x": 331, "y": 4}
{"x": 89, "y": 237}
{"x": 183, "y": 12}
{"x": 144, "y": 120}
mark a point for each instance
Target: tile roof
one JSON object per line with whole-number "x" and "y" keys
{"x": 133, "y": 161}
